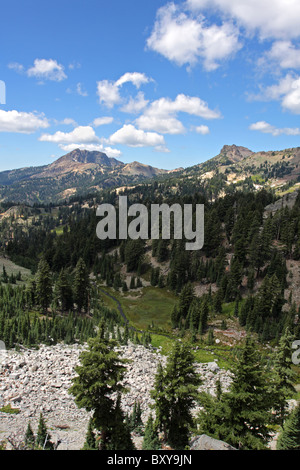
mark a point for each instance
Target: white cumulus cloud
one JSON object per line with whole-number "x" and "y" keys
{"x": 282, "y": 53}
{"x": 22, "y": 122}
{"x": 129, "y": 135}
{"x": 266, "y": 128}
{"x": 109, "y": 91}
{"x": 204, "y": 130}
{"x": 80, "y": 91}
{"x": 159, "y": 123}
{"x": 277, "y": 19}
{"x": 135, "y": 105}
{"x": 82, "y": 137}
{"x": 101, "y": 121}
{"x": 185, "y": 39}
{"x": 287, "y": 91}
{"x": 161, "y": 115}
{"x": 68, "y": 122}
{"x": 16, "y": 67}
{"x": 81, "y": 134}
{"x": 136, "y": 78}
{"x": 47, "y": 70}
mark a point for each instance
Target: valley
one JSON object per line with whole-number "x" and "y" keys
{"x": 59, "y": 280}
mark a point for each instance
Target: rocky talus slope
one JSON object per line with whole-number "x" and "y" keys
{"x": 36, "y": 381}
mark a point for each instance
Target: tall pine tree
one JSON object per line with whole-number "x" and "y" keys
{"x": 99, "y": 378}
{"x": 175, "y": 391}
{"x": 81, "y": 286}
{"x": 289, "y": 438}
{"x": 43, "y": 285}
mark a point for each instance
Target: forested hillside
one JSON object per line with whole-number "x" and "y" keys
{"x": 243, "y": 283}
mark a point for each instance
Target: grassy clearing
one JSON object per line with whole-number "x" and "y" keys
{"x": 228, "y": 309}
{"x": 287, "y": 191}
{"x": 108, "y": 302}
{"x": 221, "y": 354}
{"x": 201, "y": 352}
{"x": 163, "y": 342}
{"x": 257, "y": 178}
{"x": 153, "y": 306}
{"x": 203, "y": 356}
{"x": 145, "y": 306}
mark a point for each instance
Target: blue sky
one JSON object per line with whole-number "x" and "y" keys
{"x": 164, "y": 83}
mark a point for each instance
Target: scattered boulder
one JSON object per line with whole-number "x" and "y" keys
{"x": 205, "y": 442}
{"x": 213, "y": 366}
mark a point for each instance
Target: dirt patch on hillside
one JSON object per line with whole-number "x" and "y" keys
{"x": 163, "y": 266}
{"x": 12, "y": 268}
{"x": 201, "y": 289}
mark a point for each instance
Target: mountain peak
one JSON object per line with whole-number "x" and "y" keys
{"x": 137, "y": 168}
{"x": 86, "y": 156}
{"x": 235, "y": 152}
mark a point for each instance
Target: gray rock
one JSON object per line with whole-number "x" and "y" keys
{"x": 15, "y": 375}
{"x": 213, "y": 366}
{"x": 205, "y": 442}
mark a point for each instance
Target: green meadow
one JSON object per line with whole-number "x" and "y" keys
{"x": 144, "y": 307}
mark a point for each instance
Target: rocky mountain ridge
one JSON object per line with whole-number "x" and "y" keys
{"x": 80, "y": 172}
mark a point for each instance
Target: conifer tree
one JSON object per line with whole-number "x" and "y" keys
{"x": 289, "y": 438}
{"x": 43, "y": 285}
{"x": 236, "y": 308}
{"x": 194, "y": 315}
{"x": 161, "y": 281}
{"x": 136, "y": 422}
{"x": 172, "y": 280}
{"x": 248, "y": 404}
{"x": 117, "y": 281}
{"x": 4, "y": 275}
{"x": 126, "y": 334}
{"x": 154, "y": 276}
{"x": 151, "y": 439}
{"x": 132, "y": 283}
{"x": 99, "y": 378}
{"x": 175, "y": 316}
{"x": 203, "y": 316}
{"x": 217, "y": 303}
{"x": 210, "y": 337}
{"x": 174, "y": 393}
{"x": 64, "y": 292}
{"x": 119, "y": 435}
{"x": 31, "y": 292}
{"x": 134, "y": 252}
{"x": 162, "y": 250}
{"x": 161, "y": 406}
{"x": 234, "y": 280}
{"x": 186, "y": 297}
{"x": 81, "y": 285}
{"x": 43, "y": 438}
{"x": 285, "y": 375}
{"x": 251, "y": 279}
{"x": 90, "y": 438}
{"x": 29, "y": 437}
